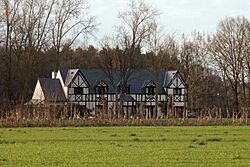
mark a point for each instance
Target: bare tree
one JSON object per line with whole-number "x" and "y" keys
{"x": 229, "y": 47}
{"x": 137, "y": 23}
{"x": 28, "y": 26}
{"x": 163, "y": 51}
{"x": 8, "y": 19}
{"x": 107, "y": 62}
{"x": 156, "y": 47}
{"x": 194, "y": 69}
{"x": 71, "y": 20}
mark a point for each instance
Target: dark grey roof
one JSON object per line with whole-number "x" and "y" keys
{"x": 52, "y": 89}
{"x": 70, "y": 75}
{"x": 64, "y": 73}
{"x": 129, "y": 98}
{"x": 94, "y": 76}
{"x": 137, "y": 80}
{"x": 145, "y": 83}
{"x": 168, "y": 77}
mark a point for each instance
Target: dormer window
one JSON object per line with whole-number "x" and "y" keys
{"x": 150, "y": 90}
{"x": 101, "y": 89}
{"x": 149, "y": 87}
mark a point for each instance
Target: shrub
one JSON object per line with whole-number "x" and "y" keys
{"x": 201, "y": 143}
{"x": 136, "y": 139}
{"x": 214, "y": 139}
{"x": 7, "y": 142}
{"x": 237, "y": 157}
{"x": 113, "y": 135}
{"x": 194, "y": 140}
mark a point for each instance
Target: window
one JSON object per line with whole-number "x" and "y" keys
{"x": 150, "y": 90}
{"x": 127, "y": 89}
{"x": 177, "y": 91}
{"x": 78, "y": 91}
{"x": 101, "y": 89}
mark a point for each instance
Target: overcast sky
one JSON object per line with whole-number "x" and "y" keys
{"x": 179, "y": 16}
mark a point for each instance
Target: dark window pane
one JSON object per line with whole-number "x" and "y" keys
{"x": 127, "y": 89}
{"x": 101, "y": 90}
{"x": 177, "y": 91}
{"x": 78, "y": 91}
{"x": 151, "y": 90}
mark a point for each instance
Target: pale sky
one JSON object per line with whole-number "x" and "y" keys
{"x": 179, "y": 16}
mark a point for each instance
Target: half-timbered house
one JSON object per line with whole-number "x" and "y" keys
{"x": 92, "y": 89}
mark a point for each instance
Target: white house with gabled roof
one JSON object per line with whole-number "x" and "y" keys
{"x": 92, "y": 89}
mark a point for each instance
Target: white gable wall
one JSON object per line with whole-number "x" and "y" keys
{"x": 177, "y": 82}
{"x": 38, "y": 93}
{"x": 177, "y": 100}
{"x": 78, "y": 81}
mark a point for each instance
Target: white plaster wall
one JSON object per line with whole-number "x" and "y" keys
{"x": 170, "y": 91}
{"x": 38, "y": 92}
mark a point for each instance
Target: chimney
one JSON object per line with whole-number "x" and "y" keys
{"x": 53, "y": 74}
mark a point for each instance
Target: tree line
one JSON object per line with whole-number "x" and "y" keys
{"x": 39, "y": 36}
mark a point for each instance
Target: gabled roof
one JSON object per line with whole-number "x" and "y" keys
{"x": 172, "y": 77}
{"x": 99, "y": 83}
{"x": 94, "y": 76}
{"x": 70, "y": 75}
{"x": 137, "y": 80}
{"x": 147, "y": 82}
{"x": 52, "y": 89}
{"x": 129, "y": 98}
{"x": 141, "y": 78}
{"x": 64, "y": 73}
{"x": 168, "y": 77}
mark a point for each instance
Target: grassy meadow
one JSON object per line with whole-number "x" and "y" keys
{"x": 126, "y": 146}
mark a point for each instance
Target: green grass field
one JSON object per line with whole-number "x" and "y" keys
{"x": 126, "y": 146}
